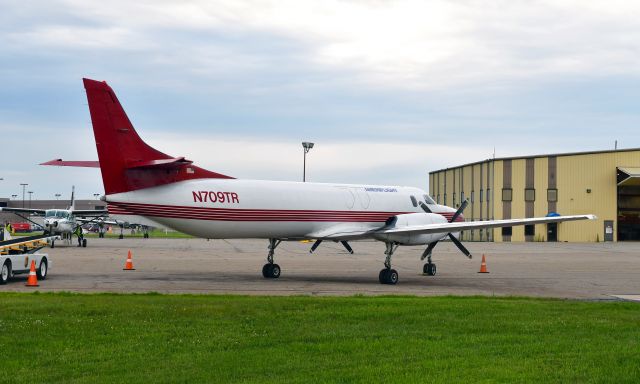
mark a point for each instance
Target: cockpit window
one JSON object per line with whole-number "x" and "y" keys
{"x": 428, "y": 200}
{"x": 414, "y": 201}
{"x": 50, "y": 213}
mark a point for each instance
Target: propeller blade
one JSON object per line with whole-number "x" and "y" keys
{"x": 424, "y": 207}
{"x": 347, "y": 247}
{"x": 315, "y": 245}
{"x": 460, "y": 246}
{"x": 428, "y": 250}
{"x": 459, "y": 211}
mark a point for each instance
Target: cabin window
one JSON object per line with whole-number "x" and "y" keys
{"x": 506, "y": 231}
{"x": 428, "y": 200}
{"x": 414, "y": 202}
{"x": 552, "y": 195}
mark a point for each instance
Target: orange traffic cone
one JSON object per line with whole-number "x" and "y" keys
{"x": 483, "y": 266}
{"x": 32, "y": 281}
{"x": 128, "y": 266}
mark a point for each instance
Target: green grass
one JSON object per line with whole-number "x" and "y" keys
{"x": 174, "y": 338}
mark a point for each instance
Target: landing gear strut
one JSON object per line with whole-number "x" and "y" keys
{"x": 429, "y": 268}
{"x": 388, "y": 275}
{"x": 271, "y": 270}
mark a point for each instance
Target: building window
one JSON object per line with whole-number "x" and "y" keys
{"x": 444, "y": 202}
{"x": 454, "y": 199}
{"x": 529, "y": 230}
{"x": 488, "y": 194}
{"x": 438, "y": 199}
{"x": 506, "y": 231}
{"x": 529, "y": 194}
{"x": 507, "y": 194}
{"x": 481, "y": 195}
{"x": 552, "y": 195}
{"x": 461, "y": 197}
{"x": 472, "y": 196}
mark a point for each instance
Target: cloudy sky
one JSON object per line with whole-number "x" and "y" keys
{"x": 388, "y": 90}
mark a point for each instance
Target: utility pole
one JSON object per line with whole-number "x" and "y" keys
{"x": 24, "y": 186}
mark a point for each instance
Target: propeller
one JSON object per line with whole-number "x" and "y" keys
{"x": 453, "y": 239}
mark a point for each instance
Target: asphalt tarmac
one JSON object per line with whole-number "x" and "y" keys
{"x": 561, "y": 270}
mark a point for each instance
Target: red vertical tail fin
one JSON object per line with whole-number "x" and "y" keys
{"x": 127, "y": 163}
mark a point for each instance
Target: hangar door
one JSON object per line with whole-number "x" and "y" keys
{"x": 628, "y": 204}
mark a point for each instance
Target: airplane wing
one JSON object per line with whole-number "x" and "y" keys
{"x": 23, "y": 210}
{"x": 100, "y": 221}
{"x": 466, "y": 225}
{"x": 356, "y": 233}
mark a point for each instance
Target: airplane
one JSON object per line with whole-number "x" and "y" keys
{"x": 63, "y": 222}
{"x": 140, "y": 180}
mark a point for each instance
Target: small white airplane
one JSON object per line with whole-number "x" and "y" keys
{"x": 142, "y": 181}
{"x": 63, "y": 222}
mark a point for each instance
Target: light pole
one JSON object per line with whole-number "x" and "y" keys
{"x": 24, "y": 185}
{"x": 306, "y": 147}
{"x": 96, "y": 195}
{"x": 57, "y": 195}
{"x": 14, "y": 196}
{"x": 30, "y": 193}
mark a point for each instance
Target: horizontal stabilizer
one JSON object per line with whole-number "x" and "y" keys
{"x": 81, "y": 163}
{"x": 161, "y": 163}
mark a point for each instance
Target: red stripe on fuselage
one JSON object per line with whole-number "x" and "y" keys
{"x": 226, "y": 214}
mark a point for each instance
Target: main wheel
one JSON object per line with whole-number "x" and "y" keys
{"x": 392, "y": 277}
{"x": 5, "y": 273}
{"x": 388, "y": 276}
{"x": 429, "y": 269}
{"x": 382, "y": 276}
{"x": 266, "y": 270}
{"x": 275, "y": 271}
{"x": 84, "y": 243}
{"x": 271, "y": 271}
{"x": 42, "y": 270}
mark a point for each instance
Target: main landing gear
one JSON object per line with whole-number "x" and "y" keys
{"x": 429, "y": 268}
{"x": 271, "y": 270}
{"x": 389, "y": 275}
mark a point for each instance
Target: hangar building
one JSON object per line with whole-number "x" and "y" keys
{"x": 604, "y": 183}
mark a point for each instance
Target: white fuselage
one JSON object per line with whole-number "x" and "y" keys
{"x": 230, "y": 208}
{"x": 59, "y": 222}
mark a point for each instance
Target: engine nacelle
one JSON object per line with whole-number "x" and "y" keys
{"x": 413, "y": 219}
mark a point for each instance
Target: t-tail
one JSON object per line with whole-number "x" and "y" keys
{"x": 127, "y": 163}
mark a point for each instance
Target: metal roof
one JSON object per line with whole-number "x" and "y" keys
{"x": 538, "y": 156}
